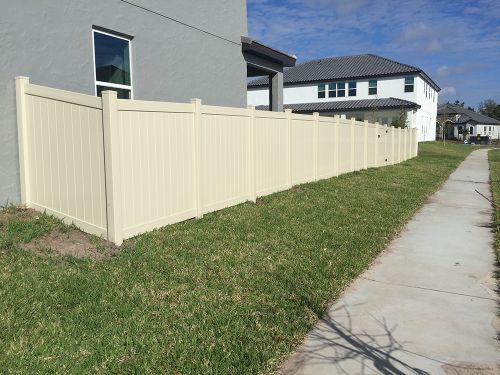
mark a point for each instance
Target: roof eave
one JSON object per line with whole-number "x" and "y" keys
{"x": 256, "y": 48}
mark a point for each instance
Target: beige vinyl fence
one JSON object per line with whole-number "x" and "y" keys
{"x": 117, "y": 168}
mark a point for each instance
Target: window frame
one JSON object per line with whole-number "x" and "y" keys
{"x": 109, "y": 84}
{"x": 334, "y": 91}
{"x": 322, "y": 91}
{"x": 344, "y": 89}
{"x": 408, "y": 84}
{"x": 349, "y": 89}
{"x": 373, "y": 87}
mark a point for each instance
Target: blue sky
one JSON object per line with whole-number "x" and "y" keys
{"x": 456, "y": 42}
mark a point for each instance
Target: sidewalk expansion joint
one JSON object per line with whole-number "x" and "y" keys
{"x": 429, "y": 289}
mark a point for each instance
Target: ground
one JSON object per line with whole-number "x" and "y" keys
{"x": 234, "y": 292}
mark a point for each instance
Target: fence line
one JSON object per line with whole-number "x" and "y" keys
{"x": 122, "y": 167}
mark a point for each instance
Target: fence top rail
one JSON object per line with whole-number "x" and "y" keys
{"x": 297, "y": 116}
{"x": 64, "y": 96}
{"x": 269, "y": 114}
{"x": 224, "y": 111}
{"x": 329, "y": 120}
{"x": 125, "y": 105}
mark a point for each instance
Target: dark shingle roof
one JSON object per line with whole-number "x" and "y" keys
{"x": 465, "y": 115}
{"x": 346, "y": 67}
{"x": 347, "y": 105}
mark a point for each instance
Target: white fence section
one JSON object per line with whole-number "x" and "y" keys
{"x": 118, "y": 168}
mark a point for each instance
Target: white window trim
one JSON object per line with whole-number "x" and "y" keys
{"x": 345, "y": 89}
{"x": 108, "y": 84}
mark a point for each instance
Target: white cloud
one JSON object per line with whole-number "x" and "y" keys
{"x": 447, "y": 91}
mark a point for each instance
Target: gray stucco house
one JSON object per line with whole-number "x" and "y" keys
{"x": 144, "y": 49}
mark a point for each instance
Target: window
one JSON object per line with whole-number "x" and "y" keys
{"x": 471, "y": 130}
{"x": 484, "y": 131}
{"x": 332, "y": 90}
{"x": 372, "y": 87}
{"x": 112, "y": 64}
{"x": 409, "y": 83}
{"x": 489, "y": 128}
{"x": 340, "y": 89}
{"x": 352, "y": 88}
{"x": 321, "y": 90}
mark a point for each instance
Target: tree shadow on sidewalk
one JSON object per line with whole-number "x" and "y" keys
{"x": 334, "y": 343}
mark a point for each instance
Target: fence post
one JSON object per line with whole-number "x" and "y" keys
{"x": 252, "y": 195}
{"x": 198, "y": 156}
{"x": 112, "y": 166}
{"x": 315, "y": 145}
{"x": 352, "y": 125}
{"x": 415, "y": 141}
{"x": 22, "y": 139}
{"x": 405, "y": 138}
{"x": 392, "y": 144}
{"x": 365, "y": 146}
{"x": 288, "y": 114}
{"x": 336, "y": 145}
{"x": 376, "y": 143}
{"x": 399, "y": 145}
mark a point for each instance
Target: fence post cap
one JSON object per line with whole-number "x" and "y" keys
{"x": 195, "y": 100}
{"x": 288, "y": 110}
{"x": 110, "y": 93}
{"x": 22, "y": 78}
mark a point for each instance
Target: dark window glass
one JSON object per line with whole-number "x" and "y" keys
{"x": 372, "y": 87}
{"x": 408, "y": 88}
{"x": 321, "y": 90}
{"x": 352, "y": 88}
{"x": 341, "y": 89}
{"x": 121, "y": 93}
{"x": 408, "y": 80}
{"x": 112, "y": 59}
{"x": 332, "y": 90}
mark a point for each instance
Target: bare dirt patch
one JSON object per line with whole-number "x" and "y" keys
{"x": 71, "y": 243}
{"x": 18, "y": 213}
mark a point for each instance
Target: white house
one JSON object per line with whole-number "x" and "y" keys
{"x": 367, "y": 87}
{"x": 478, "y": 125}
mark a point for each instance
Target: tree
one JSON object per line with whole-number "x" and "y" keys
{"x": 490, "y": 108}
{"x": 460, "y": 104}
{"x": 401, "y": 120}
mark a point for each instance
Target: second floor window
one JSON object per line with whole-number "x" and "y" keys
{"x": 340, "y": 89}
{"x": 372, "y": 87}
{"x": 112, "y": 64}
{"x": 332, "y": 90}
{"x": 352, "y": 88}
{"x": 409, "y": 84}
{"x": 321, "y": 91}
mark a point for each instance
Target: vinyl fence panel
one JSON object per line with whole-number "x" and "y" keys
{"x": 118, "y": 168}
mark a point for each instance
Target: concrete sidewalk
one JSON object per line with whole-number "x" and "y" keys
{"x": 427, "y": 305}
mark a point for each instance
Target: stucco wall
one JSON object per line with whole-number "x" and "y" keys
{"x": 51, "y": 42}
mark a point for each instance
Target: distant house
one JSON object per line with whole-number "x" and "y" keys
{"x": 147, "y": 49}
{"x": 367, "y": 87}
{"x": 457, "y": 119}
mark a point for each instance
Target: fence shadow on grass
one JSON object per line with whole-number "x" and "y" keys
{"x": 335, "y": 343}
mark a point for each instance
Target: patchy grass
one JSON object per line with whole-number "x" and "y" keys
{"x": 232, "y": 293}
{"x": 494, "y": 158}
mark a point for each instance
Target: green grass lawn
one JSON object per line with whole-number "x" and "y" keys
{"x": 494, "y": 157}
{"x": 232, "y": 293}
